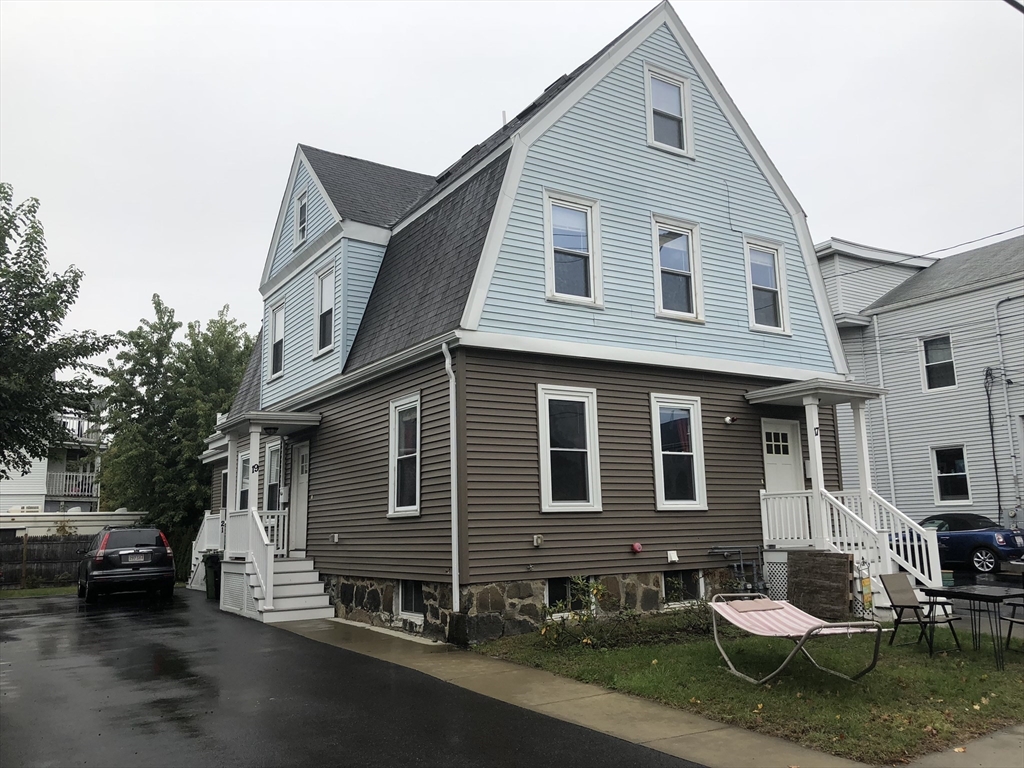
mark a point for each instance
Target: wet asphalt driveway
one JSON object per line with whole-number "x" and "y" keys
{"x": 136, "y": 682}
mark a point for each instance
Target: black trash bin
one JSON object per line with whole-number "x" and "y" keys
{"x": 211, "y": 561}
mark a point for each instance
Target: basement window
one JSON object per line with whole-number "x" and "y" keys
{"x": 411, "y": 599}
{"x": 683, "y": 586}
{"x": 559, "y": 594}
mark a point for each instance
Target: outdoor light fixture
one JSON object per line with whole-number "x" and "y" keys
{"x": 730, "y": 419}
{"x": 270, "y": 431}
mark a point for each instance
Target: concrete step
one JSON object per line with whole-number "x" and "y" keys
{"x": 297, "y": 577}
{"x": 302, "y": 614}
{"x": 289, "y": 603}
{"x": 292, "y": 565}
{"x": 291, "y": 590}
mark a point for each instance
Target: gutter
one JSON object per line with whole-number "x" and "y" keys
{"x": 453, "y": 460}
{"x": 1014, "y": 456}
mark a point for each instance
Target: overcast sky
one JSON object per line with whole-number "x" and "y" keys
{"x": 158, "y": 137}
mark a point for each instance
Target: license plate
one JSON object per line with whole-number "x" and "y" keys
{"x": 136, "y": 558}
{"x": 1019, "y": 540}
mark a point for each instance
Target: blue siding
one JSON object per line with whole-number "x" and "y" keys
{"x": 318, "y": 218}
{"x": 599, "y": 150}
{"x": 362, "y": 261}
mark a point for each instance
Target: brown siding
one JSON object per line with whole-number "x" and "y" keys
{"x": 215, "y": 484}
{"x": 348, "y": 482}
{"x": 503, "y": 482}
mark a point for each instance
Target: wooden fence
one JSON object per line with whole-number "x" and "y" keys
{"x": 41, "y": 561}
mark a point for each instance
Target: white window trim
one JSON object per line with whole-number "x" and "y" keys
{"x": 415, "y": 618}
{"x": 300, "y": 195}
{"x": 270, "y": 357}
{"x": 939, "y": 502}
{"x": 780, "y": 275}
{"x": 924, "y": 366}
{"x": 225, "y": 494}
{"x": 684, "y": 85}
{"x": 684, "y": 603}
{"x": 317, "y": 309}
{"x": 693, "y": 230}
{"x": 565, "y": 614}
{"x": 242, "y": 456}
{"x": 697, "y": 436}
{"x": 272, "y": 444}
{"x": 585, "y": 395}
{"x": 593, "y": 210}
{"x": 395, "y": 406}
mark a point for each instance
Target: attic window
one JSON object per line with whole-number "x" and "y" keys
{"x": 669, "y": 116}
{"x": 300, "y": 218}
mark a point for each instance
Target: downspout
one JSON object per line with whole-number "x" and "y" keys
{"x": 877, "y": 326}
{"x": 453, "y": 461}
{"x": 1014, "y": 456}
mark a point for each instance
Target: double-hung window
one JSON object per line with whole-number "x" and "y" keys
{"x": 678, "y": 452}
{"x": 301, "y": 212}
{"x": 277, "y": 340}
{"x": 223, "y": 489}
{"x": 677, "y": 280}
{"x": 272, "y": 478}
{"x": 766, "y": 286}
{"x": 325, "y": 311}
{"x": 669, "y": 114}
{"x": 939, "y": 370}
{"x": 570, "y": 465}
{"x": 949, "y": 464}
{"x": 572, "y": 248}
{"x": 243, "y": 481}
{"x": 404, "y": 457}
{"x": 410, "y": 600}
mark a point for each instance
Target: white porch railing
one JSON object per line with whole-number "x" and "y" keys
{"x": 209, "y": 538}
{"x": 846, "y": 532}
{"x": 246, "y": 539}
{"x": 72, "y": 484}
{"x": 913, "y": 548}
{"x": 786, "y": 519}
{"x": 276, "y": 526}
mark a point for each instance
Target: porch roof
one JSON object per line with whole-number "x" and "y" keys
{"x": 281, "y": 422}
{"x": 826, "y": 391}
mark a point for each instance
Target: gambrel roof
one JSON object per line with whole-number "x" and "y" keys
{"x": 988, "y": 265}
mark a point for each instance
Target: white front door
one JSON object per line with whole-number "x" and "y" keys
{"x": 783, "y": 457}
{"x": 298, "y": 498}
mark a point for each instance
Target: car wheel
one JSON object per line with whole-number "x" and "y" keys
{"x": 984, "y": 560}
{"x": 167, "y": 592}
{"x": 92, "y": 594}
{"x": 81, "y": 589}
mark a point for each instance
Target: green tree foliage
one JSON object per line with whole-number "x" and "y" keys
{"x": 33, "y": 351}
{"x": 162, "y": 402}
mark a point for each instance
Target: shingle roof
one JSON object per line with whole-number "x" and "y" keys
{"x": 364, "y": 191}
{"x": 248, "y": 396}
{"x": 427, "y": 271}
{"x": 1004, "y": 259}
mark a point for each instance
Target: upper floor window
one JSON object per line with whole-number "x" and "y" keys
{"x": 669, "y": 115}
{"x": 272, "y": 478}
{"x": 404, "y": 457}
{"x": 573, "y": 248}
{"x": 677, "y": 282}
{"x": 766, "y": 286}
{"x": 243, "y": 481}
{"x": 301, "y": 212}
{"x": 277, "y": 341}
{"x": 570, "y": 467}
{"x": 325, "y": 310}
{"x": 951, "y": 483}
{"x": 939, "y": 371}
{"x": 678, "y": 452}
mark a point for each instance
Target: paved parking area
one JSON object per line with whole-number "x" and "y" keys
{"x": 133, "y": 681}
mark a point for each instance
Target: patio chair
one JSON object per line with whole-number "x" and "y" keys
{"x": 902, "y": 598}
{"x": 1013, "y": 619}
{"x": 773, "y": 618}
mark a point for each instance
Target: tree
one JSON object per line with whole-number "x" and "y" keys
{"x": 33, "y": 351}
{"x": 162, "y": 403}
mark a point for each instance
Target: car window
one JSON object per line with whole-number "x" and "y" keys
{"x": 134, "y": 537}
{"x": 978, "y": 522}
{"x": 935, "y": 525}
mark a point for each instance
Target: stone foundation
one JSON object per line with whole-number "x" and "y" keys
{"x": 374, "y": 602}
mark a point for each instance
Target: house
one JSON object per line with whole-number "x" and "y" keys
{"x": 945, "y": 338}
{"x": 598, "y": 344}
{"x": 64, "y": 479}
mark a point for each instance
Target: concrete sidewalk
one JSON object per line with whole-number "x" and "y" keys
{"x": 665, "y": 729}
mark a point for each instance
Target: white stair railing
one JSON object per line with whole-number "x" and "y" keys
{"x": 912, "y": 547}
{"x": 276, "y": 526}
{"x": 209, "y": 538}
{"x": 849, "y": 533}
{"x": 786, "y": 519}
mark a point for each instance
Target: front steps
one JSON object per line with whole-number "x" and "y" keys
{"x": 298, "y": 592}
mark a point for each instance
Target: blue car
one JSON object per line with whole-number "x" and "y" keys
{"x": 975, "y": 541}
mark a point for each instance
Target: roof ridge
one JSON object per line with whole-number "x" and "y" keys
{"x": 364, "y": 160}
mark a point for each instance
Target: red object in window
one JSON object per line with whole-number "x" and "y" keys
{"x": 637, "y": 548}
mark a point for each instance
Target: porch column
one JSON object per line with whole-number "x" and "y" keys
{"x": 232, "y": 494}
{"x": 860, "y": 436}
{"x": 254, "y": 460}
{"x": 818, "y": 520}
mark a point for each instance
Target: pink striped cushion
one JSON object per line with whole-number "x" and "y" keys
{"x": 788, "y": 621}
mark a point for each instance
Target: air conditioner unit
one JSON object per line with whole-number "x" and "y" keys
{"x": 27, "y": 509}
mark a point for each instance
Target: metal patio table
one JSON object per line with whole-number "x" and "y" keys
{"x": 980, "y": 598}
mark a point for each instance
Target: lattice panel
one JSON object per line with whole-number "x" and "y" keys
{"x": 776, "y": 574}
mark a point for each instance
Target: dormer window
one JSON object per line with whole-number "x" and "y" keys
{"x": 669, "y": 117}
{"x": 300, "y": 218}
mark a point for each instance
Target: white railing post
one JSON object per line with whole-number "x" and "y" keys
{"x": 860, "y": 436}
{"x": 819, "y": 523}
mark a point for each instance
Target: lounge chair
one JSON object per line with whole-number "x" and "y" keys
{"x": 902, "y": 598}
{"x": 1013, "y": 619}
{"x": 773, "y": 618}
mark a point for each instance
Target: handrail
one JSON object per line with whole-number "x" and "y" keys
{"x": 261, "y": 554}
{"x": 912, "y": 547}
{"x": 849, "y": 533}
{"x": 786, "y": 518}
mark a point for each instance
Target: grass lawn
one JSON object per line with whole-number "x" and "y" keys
{"x": 38, "y": 592}
{"x": 907, "y": 706}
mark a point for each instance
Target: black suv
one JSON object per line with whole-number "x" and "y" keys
{"x": 124, "y": 560}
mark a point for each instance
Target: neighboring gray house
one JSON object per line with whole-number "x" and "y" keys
{"x": 945, "y": 338}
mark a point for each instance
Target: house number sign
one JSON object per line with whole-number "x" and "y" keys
{"x": 255, "y": 468}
